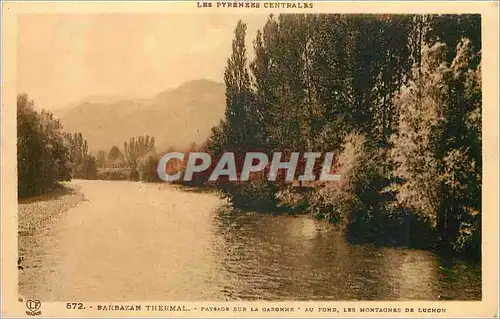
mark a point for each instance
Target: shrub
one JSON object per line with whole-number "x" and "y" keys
{"x": 134, "y": 173}
{"x": 256, "y": 194}
{"x": 293, "y": 199}
{"x": 87, "y": 169}
{"x": 147, "y": 170}
{"x": 113, "y": 174}
{"x": 358, "y": 188}
{"x": 363, "y": 205}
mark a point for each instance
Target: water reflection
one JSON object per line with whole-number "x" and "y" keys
{"x": 296, "y": 257}
{"x": 167, "y": 244}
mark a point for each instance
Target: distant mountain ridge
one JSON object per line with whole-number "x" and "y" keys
{"x": 175, "y": 117}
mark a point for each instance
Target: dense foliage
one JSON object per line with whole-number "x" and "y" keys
{"x": 397, "y": 97}
{"x": 42, "y": 156}
{"x": 45, "y": 154}
{"x": 84, "y": 165}
{"x": 134, "y": 150}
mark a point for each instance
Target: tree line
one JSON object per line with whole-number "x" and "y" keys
{"x": 136, "y": 161}
{"x": 396, "y": 97}
{"x": 46, "y": 155}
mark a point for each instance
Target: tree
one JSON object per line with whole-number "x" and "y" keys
{"x": 450, "y": 29}
{"x": 42, "y": 156}
{"x": 238, "y": 115}
{"x": 147, "y": 169}
{"x": 437, "y": 150}
{"x": 83, "y": 165}
{"x": 408, "y": 86}
{"x": 415, "y": 146}
{"x": 115, "y": 154}
{"x": 101, "y": 158}
{"x": 137, "y": 147}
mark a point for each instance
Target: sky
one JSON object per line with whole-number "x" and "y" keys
{"x": 63, "y": 58}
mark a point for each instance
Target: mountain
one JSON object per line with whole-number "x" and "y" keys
{"x": 175, "y": 117}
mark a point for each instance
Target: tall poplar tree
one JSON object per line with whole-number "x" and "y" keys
{"x": 239, "y": 115}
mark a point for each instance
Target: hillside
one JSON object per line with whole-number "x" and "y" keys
{"x": 175, "y": 117}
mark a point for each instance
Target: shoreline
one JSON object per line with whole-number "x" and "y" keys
{"x": 37, "y": 211}
{"x": 292, "y": 203}
{"x": 35, "y": 216}
{"x": 69, "y": 244}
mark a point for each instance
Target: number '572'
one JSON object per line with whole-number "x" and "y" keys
{"x": 74, "y": 305}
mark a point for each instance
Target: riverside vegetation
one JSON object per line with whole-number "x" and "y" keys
{"x": 396, "y": 97}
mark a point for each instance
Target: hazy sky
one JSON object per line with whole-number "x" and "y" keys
{"x": 64, "y": 58}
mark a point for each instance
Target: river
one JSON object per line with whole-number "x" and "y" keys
{"x": 135, "y": 241}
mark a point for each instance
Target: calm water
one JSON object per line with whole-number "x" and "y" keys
{"x": 286, "y": 257}
{"x": 131, "y": 241}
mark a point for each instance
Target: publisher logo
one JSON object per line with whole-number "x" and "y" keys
{"x": 33, "y": 307}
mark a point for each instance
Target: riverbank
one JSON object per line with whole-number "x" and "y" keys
{"x": 36, "y": 213}
{"x": 369, "y": 218}
{"x": 144, "y": 241}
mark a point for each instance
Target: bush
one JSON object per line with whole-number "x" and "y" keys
{"x": 468, "y": 239}
{"x": 113, "y": 174}
{"x": 134, "y": 173}
{"x": 293, "y": 199}
{"x": 358, "y": 165}
{"x": 147, "y": 171}
{"x": 333, "y": 204}
{"x": 362, "y": 204}
{"x": 87, "y": 169}
{"x": 256, "y": 194}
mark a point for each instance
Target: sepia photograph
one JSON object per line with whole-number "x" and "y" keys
{"x": 254, "y": 156}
